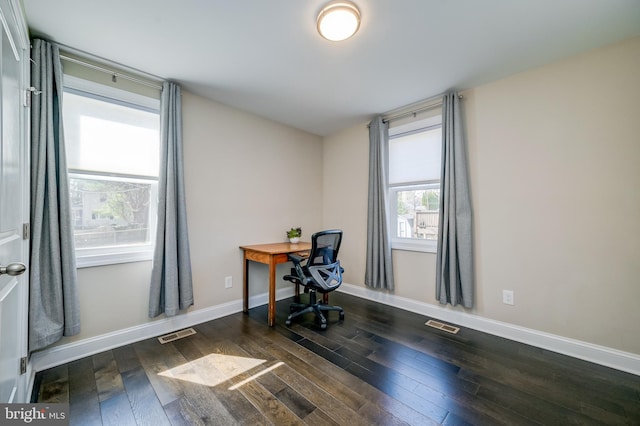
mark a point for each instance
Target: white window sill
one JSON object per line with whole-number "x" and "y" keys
{"x": 88, "y": 260}
{"x": 425, "y": 246}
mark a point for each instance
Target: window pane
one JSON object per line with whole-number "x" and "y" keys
{"x": 109, "y": 137}
{"x": 415, "y": 157}
{"x": 109, "y": 212}
{"x": 417, "y": 213}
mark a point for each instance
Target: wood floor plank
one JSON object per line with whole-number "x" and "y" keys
{"x": 295, "y": 402}
{"x": 584, "y": 375}
{"x": 145, "y": 404}
{"x": 316, "y": 369}
{"x": 312, "y": 365}
{"x": 244, "y": 412}
{"x": 390, "y": 374}
{"x": 273, "y": 409}
{"x": 454, "y": 420}
{"x": 203, "y": 403}
{"x": 157, "y": 359}
{"x": 116, "y": 411}
{"x": 55, "y": 385}
{"x": 414, "y": 334}
{"x": 434, "y": 387}
{"x": 126, "y": 358}
{"x": 320, "y": 397}
{"x": 505, "y": 358}
{"x": 540, "y": 408}
{"x": 108, "y": 379}
{"x": 538, "y": 386}
{"x": 374, "y": 412}
{"x": 181, "y": 413}
{"x": 207, "y": 406}
{"x": 318, "y": 418}
{"x": 84, "y": 405}
{"x": 270, "y": 406}
{"x": 421, "y": 373}
{"x": 333, "y": 404}
{"x": 330, "y": 405}
{"x": 473, "y": 407}
{"x": 320, "y": 338}
{"x": 425, "y": 407}
{"x": 174, "y": 414}
{"x": 417, "y": 355}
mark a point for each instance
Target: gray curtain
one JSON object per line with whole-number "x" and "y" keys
{"x": 379, "y": 269}
{"x": 171, "y": 286}
{"x": 454, "y": 269}
{"x": 53, "y": 296}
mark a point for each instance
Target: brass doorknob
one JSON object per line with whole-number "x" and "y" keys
{"x": 13, "y": 269}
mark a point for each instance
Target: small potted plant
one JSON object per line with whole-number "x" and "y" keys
{"x": 294, "y": 235}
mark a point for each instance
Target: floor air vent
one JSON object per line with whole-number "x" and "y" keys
{"x": 177, "y": 335}
{"x": 444, "y": 327}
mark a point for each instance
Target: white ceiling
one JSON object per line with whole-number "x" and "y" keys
{"x": 265, "y": 56}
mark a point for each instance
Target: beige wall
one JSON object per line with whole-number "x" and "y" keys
{"x": 346, "y": 159}
{"x": 554, "y": 166}
{"x": 248, "y": 180}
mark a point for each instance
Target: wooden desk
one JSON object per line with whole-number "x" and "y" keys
{"x": 269, "y": 254}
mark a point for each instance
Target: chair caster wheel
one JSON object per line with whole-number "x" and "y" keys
{"x": 323, "y": 326}
{"x": 341, "y": 316}
{"x": 287, "y": 322}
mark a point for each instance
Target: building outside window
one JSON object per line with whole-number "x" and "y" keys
{"x": 112, "y": 142}
{"x": 414, "y": 181}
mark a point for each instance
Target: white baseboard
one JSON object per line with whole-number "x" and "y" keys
{"x": 620, "y": 360}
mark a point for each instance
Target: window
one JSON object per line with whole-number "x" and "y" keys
{"x": 112, "y": 142}
{"x": 414, "y": 182}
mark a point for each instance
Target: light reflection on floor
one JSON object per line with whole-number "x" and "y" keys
{"x": 212, "y": 369}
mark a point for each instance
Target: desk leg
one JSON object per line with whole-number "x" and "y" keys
{"x": 245, "y": 284}
{"x": 272, "y": 291}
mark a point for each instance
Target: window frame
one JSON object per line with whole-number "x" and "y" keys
{"x": 110, "y": 255}
{"x": 403, "y": 243}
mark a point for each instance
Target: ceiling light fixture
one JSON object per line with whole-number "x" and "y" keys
{"x": 338, "y": 20}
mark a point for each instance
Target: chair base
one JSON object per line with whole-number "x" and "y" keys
{"x": 299, "y": 309}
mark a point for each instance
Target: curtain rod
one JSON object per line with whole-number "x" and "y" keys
{"x": 107, "y": 63}
{"x": 114, "y": 74}
{"x": 421, "y": 106}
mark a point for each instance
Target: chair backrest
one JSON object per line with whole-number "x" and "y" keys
{"x": 324, "y": 247}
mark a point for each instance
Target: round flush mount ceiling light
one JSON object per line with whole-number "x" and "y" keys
{"x": 338, "y": 20}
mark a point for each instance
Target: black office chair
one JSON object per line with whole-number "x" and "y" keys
{"x": 321, "y": 273}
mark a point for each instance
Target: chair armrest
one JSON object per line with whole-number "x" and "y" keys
{"x": 295, "y": 258}
{"x": 297, "y": 280}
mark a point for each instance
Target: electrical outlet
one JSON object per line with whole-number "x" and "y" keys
{"x": 507, "y": 297}
{"x": 228, "y": 282}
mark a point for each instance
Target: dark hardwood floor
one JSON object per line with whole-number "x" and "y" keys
{"x": 381, "y": 366}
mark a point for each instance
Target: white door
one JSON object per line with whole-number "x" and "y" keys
{"x": 13, "y": 204}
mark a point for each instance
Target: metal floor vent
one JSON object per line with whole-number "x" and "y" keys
{"x": 177, "y": 335}
{"x": 444, "y": 327}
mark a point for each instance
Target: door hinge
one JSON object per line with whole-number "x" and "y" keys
{"x": 23, "y": 365}
{"x": 25, "y": 231}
